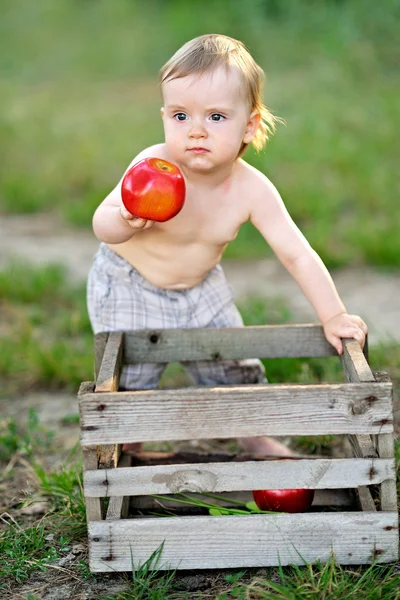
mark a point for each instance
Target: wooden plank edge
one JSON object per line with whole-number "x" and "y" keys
{"x": 354, "y": 363}
{"x": 224, "y": 477}
{"x": 118, "y": 506}
{"x": 100, "y": 340}
{"x": 388, "y": 491}
{"x": 111, "y": 364}
{"x": 257, "y": 540}
{"x": 227, "y": 343}
{"x": 94, "y": 506}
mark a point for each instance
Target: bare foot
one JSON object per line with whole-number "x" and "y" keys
{"x": 132, "y": 448}
{"x": 264, "y": 445}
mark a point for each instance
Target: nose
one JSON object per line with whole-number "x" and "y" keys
{"x": 197, "y": 131}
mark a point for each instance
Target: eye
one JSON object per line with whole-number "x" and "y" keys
{"x": 180, "y": 116}
{"x": 217, "y": 117}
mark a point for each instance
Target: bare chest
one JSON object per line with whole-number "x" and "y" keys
{"x": 213, "y": 219}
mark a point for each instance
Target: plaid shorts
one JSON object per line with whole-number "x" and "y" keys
{"x": 120, "y": 299}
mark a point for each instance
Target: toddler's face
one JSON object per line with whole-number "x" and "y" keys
{"x": 206, "y": 119}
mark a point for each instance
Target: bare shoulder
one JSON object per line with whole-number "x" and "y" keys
{"x": 155, "y": 151}
{"x": 257, "y": 185}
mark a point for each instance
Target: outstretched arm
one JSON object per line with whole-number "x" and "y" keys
{"x": 270, "y": 217}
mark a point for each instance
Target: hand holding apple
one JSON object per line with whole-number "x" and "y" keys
{"x": 154, "y": 190}
{"x": 290, "y": 500}
{"x": 135, "y": 222}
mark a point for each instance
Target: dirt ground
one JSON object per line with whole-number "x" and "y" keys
{"x": 41, "y": 240}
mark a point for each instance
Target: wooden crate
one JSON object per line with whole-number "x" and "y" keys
{"x": 360, "y": 408}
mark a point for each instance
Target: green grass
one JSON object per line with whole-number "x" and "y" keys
{"x": 27, "y": 547}
{"x": 147, "y": 582}
{"x": 77, "y": 106}
{"x": 23, "y": 551}
{"x": 26, "y": 441}
{"x": 329, "y": 581}
{"x": 46, "y": 335}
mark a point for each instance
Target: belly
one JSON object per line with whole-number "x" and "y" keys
{"x": 171, "y": 266}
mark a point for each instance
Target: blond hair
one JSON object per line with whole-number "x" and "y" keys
{"x": 208, "y": 52}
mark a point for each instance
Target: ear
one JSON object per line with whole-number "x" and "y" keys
{"x": 162, "y": 111}
{"x": 251, "y": 127}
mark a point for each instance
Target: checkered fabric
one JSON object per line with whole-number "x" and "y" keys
{"x": 119, "y": 298}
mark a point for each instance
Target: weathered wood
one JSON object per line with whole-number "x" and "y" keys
{"x": 221, "y": 477}
{"x": 365, "y": 499}
{"x": 388, "y": 487}
{"x": 362, "y": 408}
{"x": 275, "y": 341}
{"x": 108, "y": 381}
{"x": 354, "y": 362}
{"x": 363, "y": 446}
{"x": 86, "y": 387}
{"x": 109, "y": 455}
{"x": 94, "y": 506}
{"x": 241, "y": 541}
{"x": 110, "y": 368}
{"x": 118, "y": 506}
{"x": 100, "y": 340}
{"x": 357, "y": 370}
{"x": 229, "y": 411}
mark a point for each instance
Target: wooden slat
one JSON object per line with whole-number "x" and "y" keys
{"x": 100, "y": 340}
{"x": 354, "y": 362}
{"x": 170, "y": 345}
{"x": 110, "y": 368}
{"x": 363, "y": 446}
{"x": 221, "y": 477}
{"x": 108, "y": 381}
{"x": 86, "y": 387}
{"x": 388, "y": 487}
{"x": 365, "y": 499}
{"x": 358, "y": 370}
{"x": 109, "y": 455}
{"x": 94, "y": 506}
{"x": 241, "y": 541}
{"x": 229, "y": 411}
{"x": 119, "y": 505}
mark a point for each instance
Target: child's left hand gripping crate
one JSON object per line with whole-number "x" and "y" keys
{"x": 360, "y": 408}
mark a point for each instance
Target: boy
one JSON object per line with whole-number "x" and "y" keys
{"x": 150, "y": 275}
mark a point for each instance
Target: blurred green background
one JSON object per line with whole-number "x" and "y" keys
{"x": 79, "y": 98}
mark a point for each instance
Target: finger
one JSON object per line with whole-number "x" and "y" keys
{"x": 149, "y": 224}
{"x": 336, "y": 342}
{"x": 124, "y": 212}
{"x": 360, "y": 323}
{"x": 358, "y": 335}
{"x": 138, "y": 223}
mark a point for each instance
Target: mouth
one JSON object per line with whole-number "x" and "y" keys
{"x": 198, "y": 150}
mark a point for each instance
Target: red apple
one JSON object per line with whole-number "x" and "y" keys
{"x": 153, "y": 189}
{"x": 291, "y": 501}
